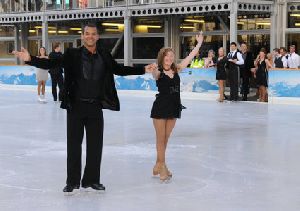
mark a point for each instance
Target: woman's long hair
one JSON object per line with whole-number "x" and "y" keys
{"x": 40, "y": 51}
{"x": 160, "y": 58}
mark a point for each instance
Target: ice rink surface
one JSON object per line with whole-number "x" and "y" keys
{"x": 230, "y": 156}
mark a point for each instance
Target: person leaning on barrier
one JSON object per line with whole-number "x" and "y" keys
{"x": 293, "y": 58}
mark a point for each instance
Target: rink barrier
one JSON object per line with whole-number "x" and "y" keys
{"x": 284, "y": 84}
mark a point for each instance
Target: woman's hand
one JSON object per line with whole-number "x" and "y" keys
{"x": 150, "y": 68}
{"x": 200, "y": 37}
{"x": 23, "y": 55}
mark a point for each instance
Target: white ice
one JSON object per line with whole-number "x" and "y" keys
{"x": 230, "y": 156}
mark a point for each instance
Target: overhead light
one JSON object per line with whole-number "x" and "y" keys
{"x": 297, "y": 24}
{"x": 113, "y": 24}
{"x": 295, "y": 15}
{"x": 32, "y": 31}
{"x": 49, "y": 27}
{"x": 149, "y": 26}
{"x": 63, "y": 32}
{"x": 112, "y": 30}
{"x": 52, "y": 32}
{"x": 187, "y": 27}
{"x": 263, "y": 24}
{"x": 194, "y": 21}
{"x": 75, "y": 29}
{"x": 241, "y": 23}
{"x": 79, "y": 32}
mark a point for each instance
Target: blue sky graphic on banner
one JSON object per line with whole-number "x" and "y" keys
{"x": 284, "y": 83}
{"x": 192, "y": 80}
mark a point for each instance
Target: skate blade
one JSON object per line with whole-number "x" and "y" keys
{"x": 91, "y": 191}
{"x": 75, "y": 192}
{"x": 166, "y": 181}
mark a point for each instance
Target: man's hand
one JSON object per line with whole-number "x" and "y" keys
{"x": 23, "y": 55}
{"x": 232, "y": 60}
{"x": 150, "y": 68}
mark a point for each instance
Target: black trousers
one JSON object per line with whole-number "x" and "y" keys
{"x": 245, "y": 76}
{"x": 233, "y": 75}
{"x": 57, "y": 79}
{"x": 86, "y": 116}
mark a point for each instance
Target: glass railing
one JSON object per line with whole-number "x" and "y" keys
{"x": 23, "y": 6}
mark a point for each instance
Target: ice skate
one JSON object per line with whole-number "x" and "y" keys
{"x": 156, "y": 170}
{"x": 164, "y": 174}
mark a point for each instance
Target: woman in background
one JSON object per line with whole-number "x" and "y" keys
{"x": 210, "y": 61}
{"x": 221, "y": 72}
{"x": 41, "y": 77}
{"x": 262, "y": 65}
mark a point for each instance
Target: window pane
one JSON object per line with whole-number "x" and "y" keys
{"x": 253, "y": 23}
{"x": 33, "y": 47}
{"x": 293, "y": 20}
{"x": 256, "y": 42}
{"x": 201, "y": 23}
{"x": 6, "y": 31}
{"x": 6, "y": 48}
{"x": 109, "y": 43}
{"x": 148, "y": 25}
{"x": 147, "y": 47}
{"x": 211, "y": 43}
{"x": 294, "y": 39}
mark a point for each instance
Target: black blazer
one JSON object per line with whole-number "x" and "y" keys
{"x": 72, "y": 64}
{"x": 249, "y": 62}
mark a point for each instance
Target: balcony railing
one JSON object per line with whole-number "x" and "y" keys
{"x": 29, "y": 6}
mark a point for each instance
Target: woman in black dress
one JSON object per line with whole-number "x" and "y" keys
{"x": 221, "y": 72}
{"x": 262, "y": 65}
{"x": 167, "y": 106}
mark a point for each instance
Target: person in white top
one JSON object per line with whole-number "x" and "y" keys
{"x": 235, "y": 59}
{"x": 283, "y": 57}
{"x": 293, "y": 58}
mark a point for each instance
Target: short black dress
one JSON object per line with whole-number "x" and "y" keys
{"x": 262, "y": 74}
{"x": 221, "y": 70}
{"x": 167, "y": 104}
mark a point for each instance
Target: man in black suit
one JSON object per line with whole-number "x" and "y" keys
{"x": 235, "y": 60}
{"x": 245, "y": 71}
{"x": 88, "y": 88}
{"x": 56, "y": 73}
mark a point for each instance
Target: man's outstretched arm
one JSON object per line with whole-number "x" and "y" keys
{"x": 38, "y": 62}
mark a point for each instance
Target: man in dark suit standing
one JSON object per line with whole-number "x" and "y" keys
{"x": 245, "y": 71}
{"x": 56, "y": 73}
{"x": 88, "y": 88}
{"x": 235, "y": 59}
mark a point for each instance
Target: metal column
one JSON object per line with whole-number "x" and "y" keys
{"x": 127, "y": 41}
{"x": 233, "y": 21}
{"x": 273, "y": 31}
{"x": 17, "y": 41}
{"x": 45, "y": 40}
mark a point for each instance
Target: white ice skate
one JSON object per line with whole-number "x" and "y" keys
{"x": 42, "y": 99}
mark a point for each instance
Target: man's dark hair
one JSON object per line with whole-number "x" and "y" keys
{"x": 283, "y": 48}
{"x": 243, "y": 43}
{"x": 233, "y": 43}
{"x": 56, "y": 45}
{"x": 276, "y": 50}
{"x": 92, "y": 25}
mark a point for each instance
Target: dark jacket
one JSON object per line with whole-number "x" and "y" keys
{"x": 72, "y": 64}
{"x": 248, "y": 62}
{"x": 57, "y": 70}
